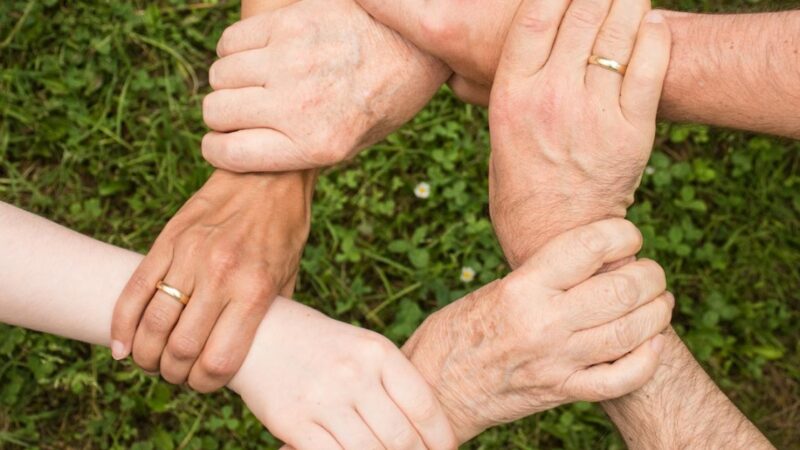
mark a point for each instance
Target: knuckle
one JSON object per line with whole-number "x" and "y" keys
{"x": 347, "y": 370}
{"x": 140, "y": 285}
{"x": 657, "y": 275}
{"x": 592, "y": 240}
{"x": 377, "y": 347}
{"x": 615, "y": 35}
{"x": 404, "y": 437}
{"x": 183, "y": 347}
{"x": 157, "y": 319}
{"x": 436, "y": 27}
{"x": 426, "y": 407}
{"x": 625, "y": 289}
{"x": 623, "y": 335}
{"x": 218, "y": 365}
{"x": 532, "y": 21}
{"x": 586, "y": 14}
{"x": 223, "y": 260}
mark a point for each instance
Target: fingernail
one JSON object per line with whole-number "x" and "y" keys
{"x": 118, "y": 350}
{"x": 657, "y": 343}
{"x": 654, "y": 17}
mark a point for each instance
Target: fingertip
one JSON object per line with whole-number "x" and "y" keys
{"x": 119, "y": 350}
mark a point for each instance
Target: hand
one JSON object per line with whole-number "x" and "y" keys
{"x": 569, "y": 140}
{"x": 310, "y": 85}
{"x": 232, "y": 248}
{"x": 548, "y": 334}
{"x": 319, "y": 384}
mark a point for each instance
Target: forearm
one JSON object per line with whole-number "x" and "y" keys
{"x": 60, "y": 282}
{"x": 738, "y": 71}
{"x": 681, "y": 407}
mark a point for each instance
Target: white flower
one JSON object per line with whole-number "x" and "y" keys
{"x": 467, "y": 274}
{"x": 650, "y": 170}
{"x": 423, "y": 190}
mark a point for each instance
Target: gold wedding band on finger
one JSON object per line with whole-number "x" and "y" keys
{"x": 173, "y": 292}
{"x": 608, "y": 64}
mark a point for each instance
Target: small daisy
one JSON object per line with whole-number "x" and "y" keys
{"x": 423, "y": 190}
{"x": 467, "y": 274}
{"x": 650, "y": 170}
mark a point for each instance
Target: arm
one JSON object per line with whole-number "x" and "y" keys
{"x": 738, "y": 71}
{"x": 304, "y": 366}
{"x": 303, "y": 378}
{"x": 581, "y": 175}
{"x": 201, "y": 253}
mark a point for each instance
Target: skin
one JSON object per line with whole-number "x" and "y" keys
{"x": 349, "y": 78}
{"x": 200, "y": 252}
{"x": 312, "y": 381}
{"x": 664, "y": 414}
{"x": 606, "y": 347}
{"x": 716, "y": 76}
{"x": 711, "y": 78}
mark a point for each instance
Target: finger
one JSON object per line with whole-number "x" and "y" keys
{"x": 530, "y": 38}
{"x": 469, "y": 92}
{"x": 314, "y": 437}
{"x": 231, "y": 338}
{"x": 644, "y": 80}
{"x": 240, "y": 109}
{"x": 160, "y": 317}
{"x": 254, "y": 150}
{"x": 135, "y": 296}
{"x": 247, "y": 34}
{"x": 612, "y": 380}
{"x": 240, "y": 70}
{"x": 350, "y": 430}
{"x": 577, "y": 35}
{"x": 574, "y": 256}
{"x": 415, "y": 398}
{"x": 189, "y": 336}
{"x": 615, "y": 41}
{"x": 388, "y": 423}
{"x": 613, "y": 340}
{"x": 611, "y": 295}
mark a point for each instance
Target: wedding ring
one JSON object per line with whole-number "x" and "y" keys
{"x": 608, "y": 64}
{"x": 173, "y": 292}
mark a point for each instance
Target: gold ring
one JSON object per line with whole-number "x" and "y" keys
{"x": 608, "y": 64}
{"x": 173, "y": 292}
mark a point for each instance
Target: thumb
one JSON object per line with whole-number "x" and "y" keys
{"x": 254, "y": 150}
{"x": 530, "y": 38}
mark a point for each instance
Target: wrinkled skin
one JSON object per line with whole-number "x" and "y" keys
{"x": 283, "y": 73}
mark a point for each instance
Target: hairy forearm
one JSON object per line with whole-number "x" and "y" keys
{"x": 739, "y": 71}
{"x": 682, "y": 408}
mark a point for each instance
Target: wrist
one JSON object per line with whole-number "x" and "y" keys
{"x": 437, "y": 349}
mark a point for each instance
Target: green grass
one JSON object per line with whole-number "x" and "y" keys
{"x": 99, "y": 130}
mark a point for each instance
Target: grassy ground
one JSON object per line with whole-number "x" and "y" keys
{"x": 99, "y": 130}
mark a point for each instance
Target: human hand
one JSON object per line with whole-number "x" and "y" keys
{"x": 310, "y": 85}
{"x": 549, "y": 333}
{"x": 319, "y": 384}
{"x": 569, "y": 140}
{"x": 232, "y": 248}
